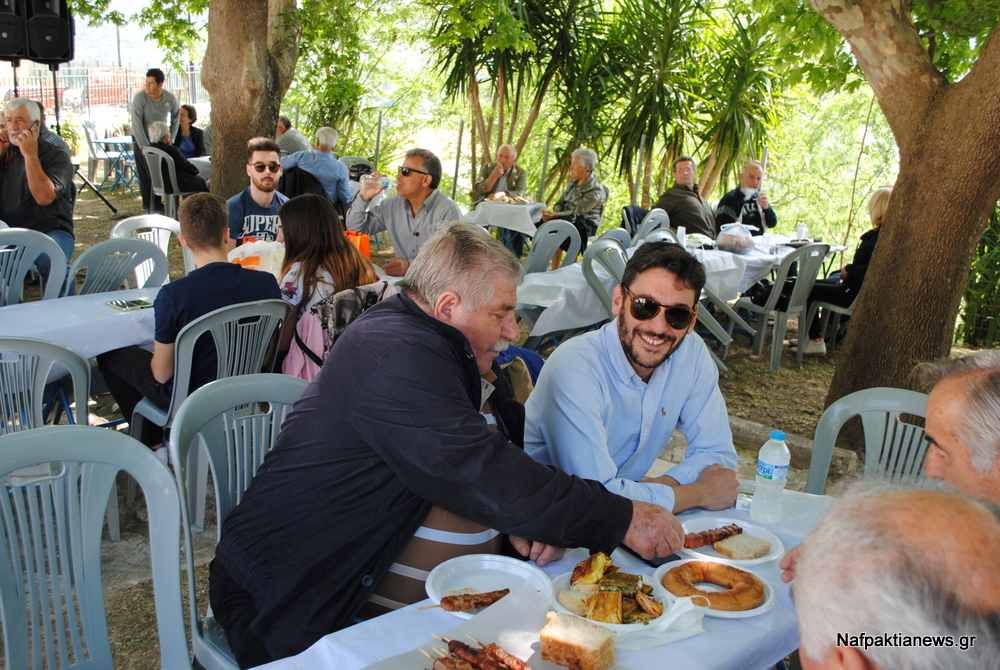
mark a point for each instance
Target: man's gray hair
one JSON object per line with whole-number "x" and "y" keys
{"x": 463, "y": 258}
{"x": 861, "y": 572}
{"x": 30, "y": 106}
{"x": 327, "y": 138}
{"x": 158, "y": 130}
{"x": 587, "y": 156}
{"x": 979, "y": 373}
{"x": 507, "y": 146}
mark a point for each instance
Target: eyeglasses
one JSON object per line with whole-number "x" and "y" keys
{"x": 679, "y": 317}
{"x": 273, "y": 167}
{"x": 405, "y": 171}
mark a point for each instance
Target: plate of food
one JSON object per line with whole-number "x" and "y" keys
{"x": 464, "y": 585}
{"x": 726, "y": 540}
{"x": 597, "y": 591}
{"x": 730, "y": 592}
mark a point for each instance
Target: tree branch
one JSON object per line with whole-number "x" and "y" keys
{"x": 888, "y": 49}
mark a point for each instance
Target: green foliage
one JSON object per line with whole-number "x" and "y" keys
{"x": 979, "y": 322}
{"x": 814, "y": 164}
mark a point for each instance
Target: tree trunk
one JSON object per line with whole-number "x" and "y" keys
{"x": 949, "y": 181}
{"x": 249, "y": 64}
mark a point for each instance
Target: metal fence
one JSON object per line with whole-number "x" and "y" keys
{"x": 87, "y": 90}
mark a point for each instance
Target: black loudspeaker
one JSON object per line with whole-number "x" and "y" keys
{"x": 49, "y": 31}
{"x": 12, "y": 43}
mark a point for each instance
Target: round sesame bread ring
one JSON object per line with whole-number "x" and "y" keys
{"x": 744, "y": 591}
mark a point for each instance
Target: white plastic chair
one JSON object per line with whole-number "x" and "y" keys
{"x": 547, "y": 239}
{"x": 829, "y": 310}
{"x": 19, "y": 249}
{"x": 95, "y": 154}
{"x": 109, "y": 263}
{"x": 661, "y": 235}
{"x": 895, "y": 451}
{"x": 656, "y": 218}
{"x": 25, "y": 367}
{"x": 234, "y": 422}
{"x": 810, "y": 259}
{"x": 610, "y": 254}
{"x": 51, "y": 594}
{"x": 157, "y": 229}
{"x": 155, "y": 159}
{"x": 619, "y": 234}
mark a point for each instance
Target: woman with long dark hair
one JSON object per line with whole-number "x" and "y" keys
{"x": 319, "y": 259}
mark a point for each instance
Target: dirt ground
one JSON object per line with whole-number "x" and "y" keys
{"x": 790, "y": 400}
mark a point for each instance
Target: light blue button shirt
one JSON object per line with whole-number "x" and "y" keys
{"x": 331, "y": 173}
{"x": 592, "y": 416}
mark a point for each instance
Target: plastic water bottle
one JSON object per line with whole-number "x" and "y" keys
{"x": 772, "y": 473}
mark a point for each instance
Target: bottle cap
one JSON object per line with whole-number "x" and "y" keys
{"x": 777, "y": 435}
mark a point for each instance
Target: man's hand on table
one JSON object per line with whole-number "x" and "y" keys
{"x": 715, "y": 489}
{"x": 654, "y": 531}
{"x": 396, "y": 267}
{"x": 548, "y": 214}
{"x": 787, "y": 563}
{"x": 538, "y": 552}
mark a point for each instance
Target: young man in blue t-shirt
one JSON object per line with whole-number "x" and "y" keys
{"x": 132, "y": 372}
{"x": 253, "y": 212}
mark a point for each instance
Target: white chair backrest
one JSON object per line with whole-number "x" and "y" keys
{"x": 894, "y": 449}
{"x": 109, "y": 263}
{"x": 610, "y": 254}
{"x": 25, "y": 366}
{"x": 661, "y": 235}
{"x": 155, "y": 159}
{"x": 50, "y": 548}
{"x": 19, "y": 249}
{"x": 809, "y": 259}
{"x": 157, "y": 229}
{"x": 656, "y": 218}
{"x": 619, "y": 234}
{"x": 547, "y": 239}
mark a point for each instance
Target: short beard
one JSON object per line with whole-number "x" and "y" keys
{"x": 630, "y": 353}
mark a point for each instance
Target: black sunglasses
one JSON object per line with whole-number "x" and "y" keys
{"x": 679, "y": 317}
{"x": 405, "y": 171}
{"x": 273, "y": 167}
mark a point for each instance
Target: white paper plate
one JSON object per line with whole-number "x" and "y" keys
{"x": 484, "y": 572}
{"x": 769, "y": 593}
{"x": 561, "y": 583}
{"x": 699, "y": 522}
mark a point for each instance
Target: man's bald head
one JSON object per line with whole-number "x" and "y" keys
{"x": 908, "y": 562}
{"x": 751, "y": 176}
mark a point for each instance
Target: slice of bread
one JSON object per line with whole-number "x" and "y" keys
{"x": 743, "y": 547}
{"x": 578, "y": 644}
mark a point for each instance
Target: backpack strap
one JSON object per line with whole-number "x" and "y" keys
{"x": 307, "y": 351}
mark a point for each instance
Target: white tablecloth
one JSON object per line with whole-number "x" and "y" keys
{"x": 521, "y": 218}
{"x": 204, "y": 165}
{"x": 754, "y": 643}
{"x": 83, "y": 322}
{"x": 569, "y": 302}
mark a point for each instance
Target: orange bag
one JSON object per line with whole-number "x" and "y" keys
{"x": 361, "y": 241}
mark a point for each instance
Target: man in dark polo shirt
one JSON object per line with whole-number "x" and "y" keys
{"x": 36, "y": 180}
{"x": 389, "y": 431}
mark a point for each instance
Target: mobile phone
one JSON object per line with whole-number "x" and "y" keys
{"x": 129, "y": 305}
{"x": 34, "y": 125}
{"x": 656, "y": 561}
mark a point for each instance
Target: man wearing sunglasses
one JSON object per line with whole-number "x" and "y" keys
{"x": 411, "y": 215}
{"x": 606, "y": 403}
{"x": 253, "y": 212}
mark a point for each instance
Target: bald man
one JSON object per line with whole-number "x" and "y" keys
{"x": 748, "y": 202}
{"x": 901, "y": 579}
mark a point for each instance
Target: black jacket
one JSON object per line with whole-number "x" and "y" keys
{"x": 188, "y": 178}
{"x": 857, "y": 270}
{"x": 734, "y": 202}
{"x": 390, "y": 427}
{"x": 197, "y": 136}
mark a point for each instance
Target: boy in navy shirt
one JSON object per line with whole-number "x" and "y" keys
{"x": 253, "y": 212}
{"x": 133, "y": 373}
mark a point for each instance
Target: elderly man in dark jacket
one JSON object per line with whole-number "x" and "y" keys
{"x": 389, "y": 431}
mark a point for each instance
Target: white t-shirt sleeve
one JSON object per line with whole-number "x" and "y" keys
{"x": 291, "y": 286}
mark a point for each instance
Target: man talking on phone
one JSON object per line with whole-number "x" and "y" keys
{"x": 36, "y": 180}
